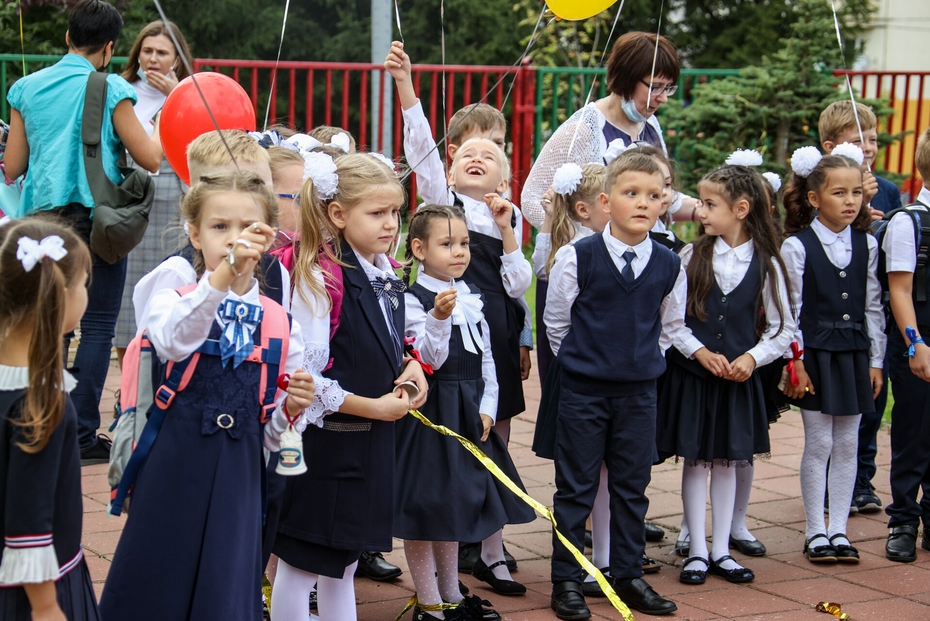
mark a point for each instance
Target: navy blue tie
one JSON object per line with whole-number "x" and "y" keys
{"x": 627, "y": 271}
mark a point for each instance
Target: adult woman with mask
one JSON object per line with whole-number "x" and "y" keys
{"x": 154, "y": 69}
{"x": 641, "y": 76}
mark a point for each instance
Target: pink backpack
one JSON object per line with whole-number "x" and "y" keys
{"x": 142, "y": 405}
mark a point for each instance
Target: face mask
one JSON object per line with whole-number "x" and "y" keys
{"x": 629, "y": 109}
{"x": 141, "y": 75}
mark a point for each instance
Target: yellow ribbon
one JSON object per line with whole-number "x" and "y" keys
{"x": 833, "y": 609}
{"x": 540, "y": 508}
{"x": 22, "y": 39}
{"x": 430, "y": 607}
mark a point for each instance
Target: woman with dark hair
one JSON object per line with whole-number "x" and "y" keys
{"x": 154, "y": 68}
{"x": 642, "y": 73}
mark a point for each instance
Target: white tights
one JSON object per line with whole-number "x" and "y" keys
{"x": 290, "y": 600}
{"x": 835, "y": 438}
{"x": 434, "y": 569}
{"x": 722, "y": 498}
{"x": 738, "y": 528}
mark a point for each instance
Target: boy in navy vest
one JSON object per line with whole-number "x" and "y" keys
{"x": 908, "y": 361}
{"x": 614, "y": 305}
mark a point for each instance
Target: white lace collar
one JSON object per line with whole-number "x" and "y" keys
{"x": 17, "y": 378}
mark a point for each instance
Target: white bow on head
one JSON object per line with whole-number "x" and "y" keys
{"x": 30, "y": 251}
{"x": 615, "y": 149}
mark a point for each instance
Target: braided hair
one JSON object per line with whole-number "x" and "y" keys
{"x": 419, "y": 228}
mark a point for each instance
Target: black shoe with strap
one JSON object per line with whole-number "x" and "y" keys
{"x": 477, "y": 609}
{"x": 845, "y": 552}
{"x": 373, "y": 565}
{"x": 694, "y": 576}
{"x": 819, "y": 554}
{"x": 902, "y": 544}
{"x": 486, "y": 574}
{"x": 568, "y": 601}
{"x": 737, "y": 575}
{"x": 749, "y": 547}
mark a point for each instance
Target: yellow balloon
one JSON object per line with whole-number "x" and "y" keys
{"x": 574, "y": 10}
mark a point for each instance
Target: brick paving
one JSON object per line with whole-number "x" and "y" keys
{"x": 787, "y": 586}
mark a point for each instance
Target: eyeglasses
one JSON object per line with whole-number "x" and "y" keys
{"x": 293, "y": 197}
{"x": 655, "y": 90}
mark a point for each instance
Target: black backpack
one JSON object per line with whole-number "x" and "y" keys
{"x": 920, "y": 215}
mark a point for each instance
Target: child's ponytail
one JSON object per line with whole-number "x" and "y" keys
{"x": 564, "y": 215}
{"x": 37, "y": 293}
{"x": 315, "y": 240}
{"x": 799, "y": 213}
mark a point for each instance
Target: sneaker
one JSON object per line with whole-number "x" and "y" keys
{"x": 99, "y": 453}
{"x": 865, "y": 500}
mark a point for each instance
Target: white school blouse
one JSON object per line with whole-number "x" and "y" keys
{"x": 730, "y": 267}
{"x": 838, "y": 248}
{"x": 898, "y": 244}
{"x": 544, "y": 244}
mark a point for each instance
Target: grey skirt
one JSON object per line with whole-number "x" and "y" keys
{"x": 161, "y": 240}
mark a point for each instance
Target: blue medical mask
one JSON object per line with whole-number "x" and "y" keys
{"x": 629, "y": 109}
{"x": 141, "y": 75}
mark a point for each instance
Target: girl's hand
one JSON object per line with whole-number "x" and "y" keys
{"x": 546, "y": 200}
{"x": 397, "y": 63}
{"x": 501, "y": 210}
{"x": 444, "y": 304}
{"x": 164, "y": 83}
{"x": 741, "y": 369}
{"x": 260, "y": 235}
{"x": 300, "y": 393}
{"x": 488, "y": 422}
{"x": 804, "y": 386}
{"x": 717, "y": 364}
{"x": 877, "y": 378}
{"x": 920, "y": 362}
{"x": 413, "y": 372}
{"x": 391, "y": 406}
{"x": 526, "y": 362}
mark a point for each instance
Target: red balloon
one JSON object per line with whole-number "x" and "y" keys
{"x": 184, "y": 116}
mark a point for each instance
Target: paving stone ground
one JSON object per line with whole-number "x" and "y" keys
{"x": 787, "y": 586}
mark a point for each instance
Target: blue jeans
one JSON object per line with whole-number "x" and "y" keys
{"x": 92, "y": 361}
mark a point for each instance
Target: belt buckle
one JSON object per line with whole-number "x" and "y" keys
{"x": 225, "y": 421}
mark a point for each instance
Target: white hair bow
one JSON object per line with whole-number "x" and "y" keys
{"x": 322, "y": 169}
{"x": 30, "y": 251}
{"x": 804, "y": 160}
{"x": 615, "y": 149}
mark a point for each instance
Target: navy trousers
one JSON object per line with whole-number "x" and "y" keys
{"x": 591, "y": 430}
{"x": 910, "y": 440}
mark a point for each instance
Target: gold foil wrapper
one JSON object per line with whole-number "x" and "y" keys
{"x": 834, "y": 609}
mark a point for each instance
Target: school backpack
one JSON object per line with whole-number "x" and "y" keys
{"x": 921, "y": 218}
{"x": 143, "y": 400}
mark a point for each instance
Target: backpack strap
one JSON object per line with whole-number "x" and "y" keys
{"x": 102, "y": 187}
{"x": 922, "y": 243}
{"x": 276, "y": 338}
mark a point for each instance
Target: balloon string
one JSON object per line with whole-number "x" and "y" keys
{"x": 852, "y": 97}
{"x": 397, "y": 17}
{"x": 22, "y": 39}
{"x": 442, "y": 38}
{"x": 655, "y": 56}
{"x": 274, "y": 73}
{"x": 533, "y": 38}
{"x": 600, "y": 62}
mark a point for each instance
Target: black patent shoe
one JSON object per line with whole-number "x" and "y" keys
{"x": 468, "y": 554}
{"x": 694, "y": 576}
{"x": 819, "y": 554}
{"x": 845, "y": 553}
{"x": 640, "y": 596}
{"x": 737, "y": 575}
{"x": 747, "y": 547}
{"x": 592, "y": 588}
{"x": 650, "y": 565}
{"x": 588, "y": 539}
{"x": 373, "y": 565}
{"x": 504, "y": 587}
{"x": 476, "y": 609}
{"x": 653, "y": 532}
{"x": 902, "y": 544}
{"x": 568, "y": 602}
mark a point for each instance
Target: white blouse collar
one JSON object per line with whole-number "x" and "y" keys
{"x": 436, "y": 284}
{"x": 827, "y": 236}
{"x": 17, "y": 378}
{"x": 743, "y": 252}
{"x": 380, "y": 269}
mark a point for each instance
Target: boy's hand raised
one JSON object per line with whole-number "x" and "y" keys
{"x": 398, "y": 65}
{"x": 869, "y": 185}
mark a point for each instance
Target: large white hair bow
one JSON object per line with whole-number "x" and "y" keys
{"x": 850, "y": 150}
{"x": 615, "y": 149}
{"x": 805, "y": 160}
{"x": 322, "y": 170}
{"x": 30, "y": 251}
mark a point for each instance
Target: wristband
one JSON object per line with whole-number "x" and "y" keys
{"x": 913, "y": 337}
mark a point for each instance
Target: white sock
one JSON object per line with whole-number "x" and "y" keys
{"x": 818, "y": 445}
{"x": 722, "y": 497}
{"x": 492, "y": 551}
{"x": 694, "y": 501}
{"x": 336, "y": 597}
{"x": 738, "y": 528}
{"x": 843, "y": 468}
{"x": 291, "y": 597}
{"x": 422, "y": 565}
{"x": 600, "y": 525}
{"x": 446, "y": 554}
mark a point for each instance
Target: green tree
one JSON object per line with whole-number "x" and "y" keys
{"x": 773, "y": 107}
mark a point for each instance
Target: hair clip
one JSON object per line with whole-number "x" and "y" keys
{"x": 30, "y": 251}
{"x": 322, "y": 170}
{"x": 745, "y": 157}
{"x": 382, "y": 158}
{"x": 804, "y": 160}
{"x": 567, "y": 178}
{"x": 848, "y": 149}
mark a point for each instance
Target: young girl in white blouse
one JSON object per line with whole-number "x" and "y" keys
{"x": 832, "y": 260}
{"x": 712, "y": 410}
